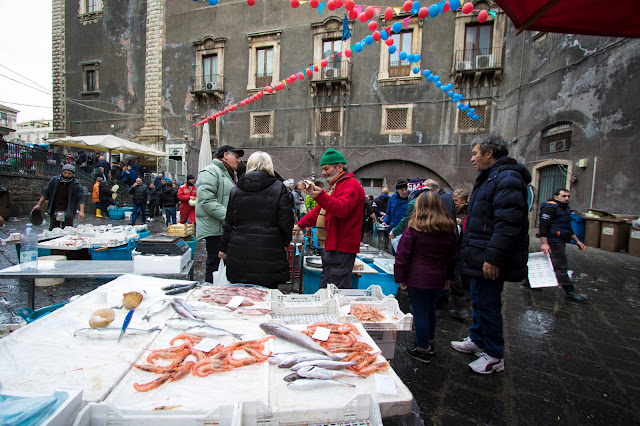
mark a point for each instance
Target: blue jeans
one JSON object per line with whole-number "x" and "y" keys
{"x": 170, "y": 213}
{"x": 486, "y": 330}
{"x": 423, "y": 304}
{"x": 143, "y": 213}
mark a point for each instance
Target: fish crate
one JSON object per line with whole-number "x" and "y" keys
{"x": 372, "y": 293}
{"x": 395, "y": 318}
{"x": 296, "y": 299}
{"x": 305, "y": 313}
{"x": 64, "y": 413}
{"x": 181, "y": 230}
{"x": 105, "y": 413}
{"x": 361, "y": 410}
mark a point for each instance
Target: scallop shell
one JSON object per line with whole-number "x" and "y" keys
{"x": 102, "y": 318}
{"x": 131, "y": 300}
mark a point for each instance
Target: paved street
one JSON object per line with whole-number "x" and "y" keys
{"x": 566, "y": 363}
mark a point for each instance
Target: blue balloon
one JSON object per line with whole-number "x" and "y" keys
{"x": 469, "y": 114}
{"x": 427, "y": 72}
{"x": 472, "y": 110}
{"x": 434, "y": 10}
{"x": 450, "y": 93}
{"x": 429, "y": 77}
{"x": 384, "y": 34}
{"x": 403, "y": 56}
{"x": 438, "y": 84}
{"x": 416, "y": 5}
{"x": 444, "y": 89}
{"x": 436, "y": 77}
{"x": 454, "y": 4}
{"x": 392, "y": 49}
{"x": 476, "y": 117}
{"x": 465, "y": 107}
{"x": 368, "y": 40}
{"x": 357, "y": 47}
{"x": 396, "y": 27}
{"x": 416, "y": 58}
{"x": 411, "y": 58}
{"x": 416, "y": 70}
{"x": 213, "y": 2}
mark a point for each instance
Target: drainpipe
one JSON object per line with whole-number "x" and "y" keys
{"x": 593, "y": 181}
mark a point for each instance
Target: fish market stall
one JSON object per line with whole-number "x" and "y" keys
{"x": 313, "y": 268}
{"x": 193, "y": 352}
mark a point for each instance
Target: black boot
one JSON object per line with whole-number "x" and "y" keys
{"x": 575, "y": 296}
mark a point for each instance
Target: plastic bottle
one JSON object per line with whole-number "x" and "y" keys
{"x": 28, "y": 249}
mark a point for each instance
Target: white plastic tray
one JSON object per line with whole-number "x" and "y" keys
{"x": 371, "y": 294}
{"x": 395, "y": 318}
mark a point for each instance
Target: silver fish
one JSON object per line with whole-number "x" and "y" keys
{"x": 182, "y": 323}
{"x": 313, "y": 372}
{"x": 156, "y": 308}
{"x": 206, "y": 330}
{"x": 295, "y": 337}
{"x": 322, "y": 363}
{"x": 292, "y": 377}
{"x": 288, "y": 359}
{"x": 183, "y": 308}
{"x": 314, "y": 384}
{"x": 206, "y": 315}
{"x": 111, "y": 333}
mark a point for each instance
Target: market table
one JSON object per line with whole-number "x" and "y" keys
{"x": 79, "y": 269}
{"x": 45, "y": 355}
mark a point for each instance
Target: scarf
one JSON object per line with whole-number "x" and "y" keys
{"x": 231, "y": 172}
{"x": 321, "y": 232}
{"x": 65, "y": 180}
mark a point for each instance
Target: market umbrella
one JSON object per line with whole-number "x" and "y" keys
{"x": 591, "y": 17}
{"x": 109, "y": 143}
{"x": 205, "y": 149}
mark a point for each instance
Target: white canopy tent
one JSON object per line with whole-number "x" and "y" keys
{"x": 205, "y": 149}
{"x": 110, "y": 143}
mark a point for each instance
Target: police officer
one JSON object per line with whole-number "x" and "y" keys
{"x": 554, "y": 232}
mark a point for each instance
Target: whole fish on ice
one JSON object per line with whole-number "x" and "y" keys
{"x": 183, "y": 308}
{"x": 289, "y": 359}
{"x": 206, "y": 330}
{"x": 183, "y": 323}
{"x": 313, "y": 372}
{"x": 316, "y": 384}
{"x": 295, "y": 337}
{"x": 323, "y": 363}
{"x": 156, "y": 308}
{"x": 111, "y": 333}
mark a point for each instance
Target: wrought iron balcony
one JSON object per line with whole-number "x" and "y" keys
{"x": 477, "y": 59}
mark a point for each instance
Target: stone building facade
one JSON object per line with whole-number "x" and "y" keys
{"x": 148, "y": 70}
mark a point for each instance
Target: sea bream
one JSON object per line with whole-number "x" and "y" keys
{"x": 295, "y": 337}
{"x": 111, "y": 333}
{"x": 156, "y": 308}
{"x": 289, "y": 359}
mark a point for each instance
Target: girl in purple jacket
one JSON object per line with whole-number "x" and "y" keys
{"x": 424, "y": 266}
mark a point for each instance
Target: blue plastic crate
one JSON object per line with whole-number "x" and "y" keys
{"x": 116, "y": 253}
{"x": 144, "y": 233}
{"x": 192, "y": 245}
{"x": 311, "y": 280}
{"x": 29, "y": 315}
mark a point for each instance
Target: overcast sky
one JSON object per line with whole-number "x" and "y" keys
{"x": 25, "y": 49}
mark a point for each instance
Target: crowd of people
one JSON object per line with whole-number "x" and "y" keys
{"x": 444, "y": 243}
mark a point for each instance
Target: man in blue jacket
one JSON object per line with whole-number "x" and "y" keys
{"x": 397, "y": 205}
{"x": 494, "y": 246}
{"x": 555, "y": 231}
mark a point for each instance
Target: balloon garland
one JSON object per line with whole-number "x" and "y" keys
{"x": 385, "y": 35}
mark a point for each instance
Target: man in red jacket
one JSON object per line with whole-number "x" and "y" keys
{"x": 187, "y": 197}
{"x": 337, "y": 218}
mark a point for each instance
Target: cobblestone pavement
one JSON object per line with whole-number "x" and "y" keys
{"x": 566, "y": 362}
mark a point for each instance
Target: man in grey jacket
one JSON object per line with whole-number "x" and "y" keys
{"x": 214, "y": 185}
{"x": 66, "y": 196}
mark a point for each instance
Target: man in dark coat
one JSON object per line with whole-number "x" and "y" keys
{"x": 66, "y": 197}
{"x": 494, "y": 246}
{"x": 382, "y": 201}
{"x": 555, "y": 231}
{"x": 140, "y": 194}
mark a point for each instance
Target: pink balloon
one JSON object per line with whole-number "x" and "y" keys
{"x": 353, "y": 14}
{"x": 373, "y": 25}
{"x": 369, "y": 12}
{"x": 348, "y": 52}
{"x": 331, "y": 5}
{"x": 376, "y": 36}
{"x": 446, "y": 7}
{"x": 482, "y": 16}
{"x": 363, "y": 17}
{"x": 226, "y": 110}
{"x": 467, "y": 8}
{"x": 251, "y": 2}
{"x": 349, "y": 4}
{"x": 389, "y": 41}
{"x": 295, "y": 3}
{"x": 388, "y": 14}
{"x": 260, "y": 94}
{"x": 309, "y": 72}
{"x": 407, "y": 6}
{"x": 314, "y": 3}
{"x": 294, "y": 77}
{"x": 423, "y": 12}
{"x": 301, "y": 75}
{"x": 315, "y": 68}
{"x": 338, "y": 3}
{"x": 242, "y": 103}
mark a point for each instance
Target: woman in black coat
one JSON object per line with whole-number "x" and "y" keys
{"x": 258, "y": 227}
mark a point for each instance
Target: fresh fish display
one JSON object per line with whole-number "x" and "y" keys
{"x": 314, "y": 372}
{"x": 316, "y": 384}
{"x": 183, "y": 308}
{"x": 182, "y": 289}
{"x": 206, "y": 330}
{"x": 156, "y": 308}
{"x": 324, "y": 363}
{"x": 295, "y": 337}
{"x": 292, "y": 377}
{"x": 289, "y": 359}
{"x": 182, "y": 323}
{"x": 111, "y": 333}
{"x": 173, "y": 286}
{"x": 207, "y": 315}
{"x": 222, "y": 294}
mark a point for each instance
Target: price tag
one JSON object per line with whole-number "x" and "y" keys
{"x": 322, "y": 334}
{"x": 235, "y": 302}
{"x": 206, "y": 345}
{"x": 385, "y": 384}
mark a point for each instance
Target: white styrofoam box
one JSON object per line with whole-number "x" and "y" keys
{"x": 386, "y": 341}
{"x": 363, "y": 410}
{"x": 395, "y": 318}
{"x": 160, "y": 264}
{"x": 371, "y": 294}
{"x": 65, "y": 413}
{"x": 541, "y": 272}
{"x": 104, "y": 413}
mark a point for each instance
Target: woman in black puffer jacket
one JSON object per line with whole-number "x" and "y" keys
{"x": 258, "y": 227}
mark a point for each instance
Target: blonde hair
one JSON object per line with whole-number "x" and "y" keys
{"x": 430, "y": 214}
{"x": 260, "y": 160}
{"x": 463, "y": 194}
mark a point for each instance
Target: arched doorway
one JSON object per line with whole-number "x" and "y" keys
{"x": 375, "y": 176}
{"x": 547, "y": 177}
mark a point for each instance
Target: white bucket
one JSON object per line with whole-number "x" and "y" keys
{"x": 47, "y": 282}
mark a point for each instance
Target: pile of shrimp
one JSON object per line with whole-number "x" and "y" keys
{"x": 222, "y": 294}
{"x": 366, "y": 313}
{"x": 218, "y": 359}
{"x": 344, "y": 339}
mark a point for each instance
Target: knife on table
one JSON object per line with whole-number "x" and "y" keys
{"x": 127, "y": 320}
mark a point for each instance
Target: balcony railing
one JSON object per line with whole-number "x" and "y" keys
{"x": 335, "y": 70}
{"x": 478, "y": 59}
{"x": 207, "y": 83}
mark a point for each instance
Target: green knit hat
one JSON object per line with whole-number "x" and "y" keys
{"x": 332, "y": 157}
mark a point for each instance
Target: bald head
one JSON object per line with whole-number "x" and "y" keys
{"x": 385, "y": 191}
{"x": 432, "y": 184}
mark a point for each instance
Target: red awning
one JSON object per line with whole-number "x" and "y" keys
{"x": 600, "y": 18}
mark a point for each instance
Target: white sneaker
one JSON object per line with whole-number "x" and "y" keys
{"x": 487, "y": 364}
{"x": 467, "y": 347}
{"x": 149, "y": 219}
